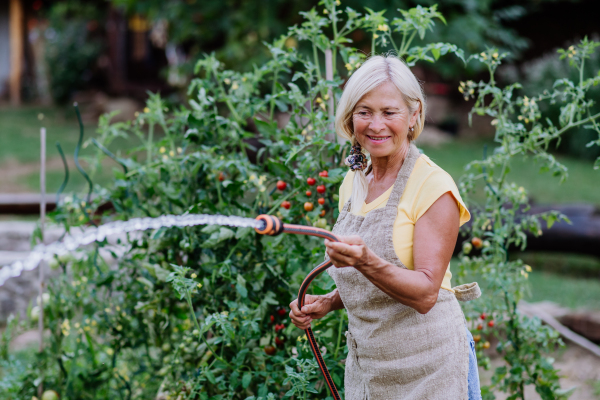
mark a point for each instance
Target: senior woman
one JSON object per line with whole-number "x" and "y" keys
{"x": 398, "y": 225}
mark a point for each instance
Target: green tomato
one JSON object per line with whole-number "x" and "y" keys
{"x": 166, "y": 347}
{"x": 50, "y": 395}
{"x": 321, "y": 223}
{"x": 34, "y": 314}
{"x": 486, "y": 243}
{"x": 467, "y": 247}
{"x": 53, "y": 264}
{"x": 65, "y": 258}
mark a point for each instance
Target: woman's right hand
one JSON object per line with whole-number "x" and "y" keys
{"x": 315, "y": 307}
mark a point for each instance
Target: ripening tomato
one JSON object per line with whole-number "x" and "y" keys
{"x": 476, "y": 338}
{"x": 321, "y": 189}
{"x": 322, "y": 214}
{"x": 308, "y": 206}
{"x": 281, "y": 185}
{"x": 286, "y": 204}
{"x": 50, "y": 395}
{"x": 321, "y": 201}
{"x": 221, "y": 177}
{"x": 491, "y": 324}
{"x": 324, "y": 174}
{"x": 270, "y": 350}
{"x": 479, "y": 327}
{"x": 477, "y": 242}
{"x": 311, "y": 181}
{"x": 486, "y": 345}
{"x": 308, "y": 193}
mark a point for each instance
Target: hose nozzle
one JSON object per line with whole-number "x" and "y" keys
{"x": 271, "y": 225}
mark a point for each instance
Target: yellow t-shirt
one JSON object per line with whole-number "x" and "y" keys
{"x": 426, "y": 184}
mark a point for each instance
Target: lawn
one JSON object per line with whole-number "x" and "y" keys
{"x": 582, "y": 185}
{"x": 20, "y": 148}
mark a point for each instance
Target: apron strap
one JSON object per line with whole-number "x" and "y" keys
{"x": 403, "y": 175}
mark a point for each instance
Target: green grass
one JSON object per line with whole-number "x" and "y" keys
{"x": 20, "y": 132}
{"x": 567, "y": 291}
{"x": 583, "y": 184}
{"x": 579, "y": 265}
{"x": 20, "y": 146}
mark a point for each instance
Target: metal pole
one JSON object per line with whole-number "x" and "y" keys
{"x": 42, "y": 223}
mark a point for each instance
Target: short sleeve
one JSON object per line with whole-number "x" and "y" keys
{"x": 345, "y": 189}
{"x": 437, "y": 183}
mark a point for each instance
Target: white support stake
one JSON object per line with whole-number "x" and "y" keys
{"x": 42, "y": 223}
{"x": 329, "y": 77}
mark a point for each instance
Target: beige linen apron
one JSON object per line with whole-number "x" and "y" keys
{"x": 395, "y": 352}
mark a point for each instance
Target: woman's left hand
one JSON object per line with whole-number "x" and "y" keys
{"x": 351, "y": 251}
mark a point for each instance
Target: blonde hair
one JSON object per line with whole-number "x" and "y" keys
{"x": 375, "y": 71}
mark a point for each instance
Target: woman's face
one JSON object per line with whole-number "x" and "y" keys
{"x": 381, "y": 120}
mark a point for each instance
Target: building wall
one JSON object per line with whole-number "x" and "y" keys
{"x": 4, "y": 49}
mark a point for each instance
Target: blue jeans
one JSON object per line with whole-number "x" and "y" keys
{"x": 473, "y": 377}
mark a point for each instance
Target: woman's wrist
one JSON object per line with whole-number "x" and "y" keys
{"x": 334, "y": 300}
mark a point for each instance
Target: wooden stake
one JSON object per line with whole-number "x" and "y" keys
{"x": 330, "y": 100}
{"x": 16, "y": 50}
{"x": 330, "y": 103}
{"x": 42, "y": 227}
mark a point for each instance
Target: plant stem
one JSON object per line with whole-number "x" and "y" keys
{"x": 316, "y": 57}
{"x": 405, "y": 47}
{"x": 273, "y": 93}
{"x": 188, "y": 298}
{"x": 339, "y": 339}
{"x": 149, "y": 144}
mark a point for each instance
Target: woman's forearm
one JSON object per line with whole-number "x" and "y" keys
{"x": 415, "y": 289}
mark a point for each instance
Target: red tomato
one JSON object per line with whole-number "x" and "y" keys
{"x": 324, "y": 174}
{"x": 477, "y": 242}
{"x": 321, "y": 189}
{"x": 279, "y": 341}
{"x": 308, "y": 206}
{"x": 308, "y": 193}
{"x": 311, "y": 181}
{"x": 281, "y": 185}
{"x": 272, "y": 318}
{"x": 491, "y": 324}
{"x": 479, "y": 327}
{"x": 282, "y": 311}
{"x": 321, "y": 201}
{"x": 279, "y": 327}
{"x": 286, "y": 204}
{"x": 483, "y": 316}
{"x": 221, "y": 177}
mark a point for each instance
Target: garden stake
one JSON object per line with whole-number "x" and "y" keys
{"x": 42, "y": 223}
{"x": 273, "y": 226}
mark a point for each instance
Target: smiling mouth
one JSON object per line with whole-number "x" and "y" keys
{"x": 378, "y": 138}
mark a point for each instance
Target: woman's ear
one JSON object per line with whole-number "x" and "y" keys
{"x": 415, "y": 115}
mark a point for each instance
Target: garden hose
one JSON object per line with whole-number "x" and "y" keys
{"x": 273, "y": 226}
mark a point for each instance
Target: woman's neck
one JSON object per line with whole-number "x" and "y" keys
{"x": 389, "y": 166}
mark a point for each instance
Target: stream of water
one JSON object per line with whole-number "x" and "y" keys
{"x": 90, "y": 235}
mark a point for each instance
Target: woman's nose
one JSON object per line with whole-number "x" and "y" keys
{"x": 377, "y": 124}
